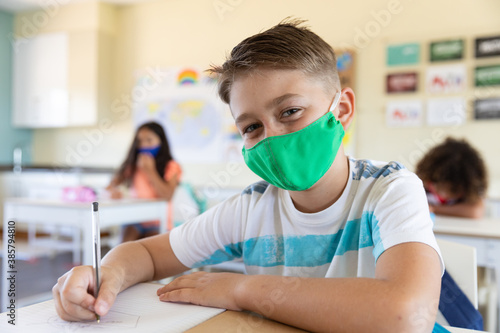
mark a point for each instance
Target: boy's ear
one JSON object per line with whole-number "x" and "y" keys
{"x": 346, "y": 107}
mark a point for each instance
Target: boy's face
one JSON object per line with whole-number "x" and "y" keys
{"x": 270, "y": 102}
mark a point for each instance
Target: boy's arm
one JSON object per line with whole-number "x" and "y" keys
{"x": 403, "y": 297}
{"x": 470, "y": 210}
{"x": 127, "y": 264}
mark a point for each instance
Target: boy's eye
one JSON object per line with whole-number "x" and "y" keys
{"x": 289, "y": 112}
{"x": 251, "y": 128}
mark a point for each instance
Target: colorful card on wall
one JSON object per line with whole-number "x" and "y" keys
{"x": 446, "y": 79}
{"x": 487, "y": 76}
{"x": 487, "y": 108}
{"x": 403, "y": 54}
{"x": 402, "y": 82}
{"x": 346, "y": 68}
{"x": 487, "y": 47}
{"x": 446, "y": 112}
{"x": 447, "y": 50}
{"x": 404, "y": 113}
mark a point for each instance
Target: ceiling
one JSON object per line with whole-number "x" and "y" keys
{"x": 23, "y": 5}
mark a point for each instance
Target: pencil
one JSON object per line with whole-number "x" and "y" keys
{"x": 96, "y": 233}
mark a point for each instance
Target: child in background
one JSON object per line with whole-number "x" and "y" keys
{"x": 151, "y": 172}
{"x": 455, "y": 179}
{"x": 330, "y": 243}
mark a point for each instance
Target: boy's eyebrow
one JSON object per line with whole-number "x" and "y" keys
{"x": 242, "y": 118}
{"x": 280, "y": 99}
{"x": 274, "y": 102}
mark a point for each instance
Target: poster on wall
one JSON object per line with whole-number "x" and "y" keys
{"x": 487, "y": 47}
{"x": 199, "y": 125}
{"x": 346, "y": 65}
{"x": 403, "y": 54}
{"x": 446, "y": 79}
{"x": 346, "y": 60}
{"x": 488, "y": 108}
{"x": 406, "y": 113}
{"x": 446, "y": 112}
{"x": 447, "y": 50}
{"x": 487, "y": 76}
{"x": 401, "y": 82}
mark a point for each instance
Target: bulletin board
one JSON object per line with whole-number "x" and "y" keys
{"x": 199, "y": 126}
{"x": 431, "y": 83}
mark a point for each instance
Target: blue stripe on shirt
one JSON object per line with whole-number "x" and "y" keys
{"x": 302, "y": 250}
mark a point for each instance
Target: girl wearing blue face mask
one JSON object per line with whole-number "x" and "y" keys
{"x": 150, "y": 172}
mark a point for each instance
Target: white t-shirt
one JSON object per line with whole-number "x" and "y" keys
{"x": 382, "y": 205}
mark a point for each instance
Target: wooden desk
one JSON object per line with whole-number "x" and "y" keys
{"x": 483, "y": 234}
{"x": 77, "y": 215}
{"x": 232, "y": 321}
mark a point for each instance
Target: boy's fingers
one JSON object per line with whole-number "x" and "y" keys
{"x": 185, "y": 281}
{"x": 69, "y": 311}
{"x": 180, "y": 295}
{"x": 71, "y": 297}
{"x": 106, "y": 297}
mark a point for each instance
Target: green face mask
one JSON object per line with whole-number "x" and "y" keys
{"x": 296, "y": 161}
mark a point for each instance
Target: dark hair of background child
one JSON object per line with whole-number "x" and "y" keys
{"x": 128, "y": 167}
{"x": 457, "y": 165}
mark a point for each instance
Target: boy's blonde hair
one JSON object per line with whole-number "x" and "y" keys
{"x": 284, "y": 46}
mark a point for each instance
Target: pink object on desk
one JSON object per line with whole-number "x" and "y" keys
{"x": 78, "y": 194}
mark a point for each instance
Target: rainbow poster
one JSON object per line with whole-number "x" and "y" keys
{"x": 187, "y": 77}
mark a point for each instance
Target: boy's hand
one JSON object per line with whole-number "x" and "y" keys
{"x": 73, "y": 293}
{"x": 218, "y": 290}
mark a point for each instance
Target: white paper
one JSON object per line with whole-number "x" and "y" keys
{"x": 446, "y": 112}
{"x": 137, "y": 309}
{"x": 407, "y": 113}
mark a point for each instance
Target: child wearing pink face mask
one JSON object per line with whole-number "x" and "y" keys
{"x": 151, "y": 172}
{"x": 455, "y": 179}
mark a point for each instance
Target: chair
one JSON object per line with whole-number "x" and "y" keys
{"x": 187, "y": 203}
{"x": 461, "y": 263}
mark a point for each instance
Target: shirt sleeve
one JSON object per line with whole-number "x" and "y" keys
{"x": 400, "y": 213}
{"x": 171, "y": 170}
{"x": 212, "y": 237}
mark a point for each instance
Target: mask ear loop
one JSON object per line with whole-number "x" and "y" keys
{"x": 335, "y": 101}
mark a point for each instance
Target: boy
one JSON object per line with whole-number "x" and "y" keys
{"x": 331, "y": 244}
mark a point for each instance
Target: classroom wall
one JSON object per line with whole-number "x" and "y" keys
{"x": 9, "y": 137}
{"x": 179, "y": 32}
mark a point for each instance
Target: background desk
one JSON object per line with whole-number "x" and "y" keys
{"x": 78, "y": 215}
{"x": 483, "y": 234}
